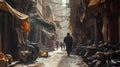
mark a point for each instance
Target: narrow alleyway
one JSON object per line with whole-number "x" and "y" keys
{"x": 57, "y": 58}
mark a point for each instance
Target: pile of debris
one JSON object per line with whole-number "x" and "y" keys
{"x": 5, "y": 59}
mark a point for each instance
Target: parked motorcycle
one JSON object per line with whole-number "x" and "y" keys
{"x": 28, "y": 52}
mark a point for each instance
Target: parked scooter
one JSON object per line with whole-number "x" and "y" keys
{"x": 28, "y": 52}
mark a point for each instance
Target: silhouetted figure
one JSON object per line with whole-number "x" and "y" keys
{"x": 68, "y": 41}
{"x": 61, "y": 45}
{"x": 57, "y": 44}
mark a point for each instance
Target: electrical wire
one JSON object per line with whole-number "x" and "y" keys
{"x": 53, "y": 5}
{"x": 65, "y": 17}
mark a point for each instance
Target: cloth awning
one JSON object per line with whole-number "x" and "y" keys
{"x": 42, "y": 23}
{"x": 48, "y": 34}
{"x": 95, "y": 2}
{"x": 4, "y": 6}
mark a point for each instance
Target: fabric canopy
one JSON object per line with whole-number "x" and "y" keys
{"x": 47, "y": 33}
{"x": 4, "y": 6}
{"x": 42, "y": 23}
{"x": 95, "y": 2}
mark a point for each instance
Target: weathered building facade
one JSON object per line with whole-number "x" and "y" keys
{"x": 10, "y": 21}
{"x": 111, "y": 12}
{"x": 42, "y": 29}
{"x": 95, "y": 20}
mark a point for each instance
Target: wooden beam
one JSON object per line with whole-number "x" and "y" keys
{"x": 119, "y": 28}
{"x": 0, "y": 41}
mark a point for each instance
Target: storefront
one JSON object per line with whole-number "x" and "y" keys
{"x": 10, "y": 19}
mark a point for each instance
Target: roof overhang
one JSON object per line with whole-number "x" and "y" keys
{"x": 95, "y": 2}
{"x": 43, "y": 23}
{"x": 4, "y": 6}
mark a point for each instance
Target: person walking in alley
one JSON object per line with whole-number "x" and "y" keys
{"x": 68, "y": 40}
{"x": 57, "y": 45}
{"x": 62, "y": 45}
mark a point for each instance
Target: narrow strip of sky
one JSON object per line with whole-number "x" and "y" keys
{"x": 64, "y": 3}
